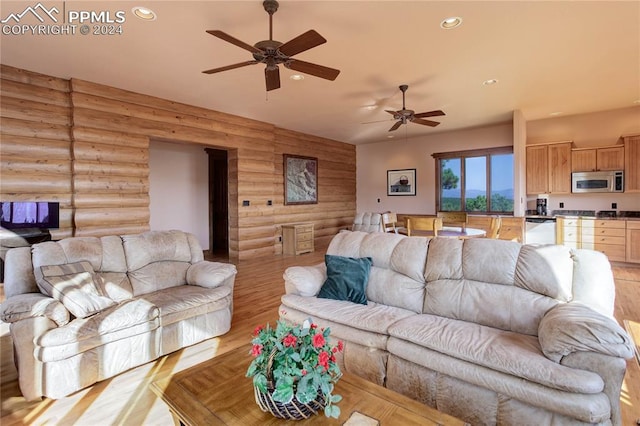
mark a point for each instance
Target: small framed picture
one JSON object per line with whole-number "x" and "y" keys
{"x": 300, "y": 180}
{"x": 401, "y": 182}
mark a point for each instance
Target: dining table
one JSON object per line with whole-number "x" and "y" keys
{"x": 459, "y": 232}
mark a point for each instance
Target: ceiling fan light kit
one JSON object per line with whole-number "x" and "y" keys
{"x": 273, "y": 53}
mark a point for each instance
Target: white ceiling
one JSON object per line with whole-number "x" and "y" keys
{"x": 548, "y": 56}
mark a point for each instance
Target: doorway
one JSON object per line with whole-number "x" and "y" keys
{"x": 218, "y": 202}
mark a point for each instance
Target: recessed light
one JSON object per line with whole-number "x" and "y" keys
{"x": 144, "y": 13}
{"x": 389, "y": 136}
{"x": 490, "y": 82}
{"x": 555, "y": 113}
{"x": 637, "y": 101}
{"x": 370, "y": 107}
{"x": 451, "y": 23}
{"x": 297, "y": 77}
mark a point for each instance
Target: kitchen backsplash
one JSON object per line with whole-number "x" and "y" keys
{"x": 597, "y": 202}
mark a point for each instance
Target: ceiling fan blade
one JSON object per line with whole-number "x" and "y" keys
{"x": 313, "y": 69}
{"x": 230, "y": 67}
{"x": 425, "y": 122}
{"x": 436, "y": 113}
{"x": 301, "y": 43}
{"x": 272, "y": 78}
{"x": 395, "y": 126}
{"x": 226, "y": 37}
{"x": 391, "y": 112}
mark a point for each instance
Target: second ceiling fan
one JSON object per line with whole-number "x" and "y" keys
{"x": 272, "y": 53}
{"x": 405, "y": 115}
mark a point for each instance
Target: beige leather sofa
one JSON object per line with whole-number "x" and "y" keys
{"x": 489, "y": 331}
{"x": 84, "y": 309}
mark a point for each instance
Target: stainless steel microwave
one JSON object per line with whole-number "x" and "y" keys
{"x": 609, "y": 181}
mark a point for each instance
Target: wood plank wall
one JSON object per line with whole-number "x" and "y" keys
{"x": 35, "y": 141}
{"x": 105, "y": 134}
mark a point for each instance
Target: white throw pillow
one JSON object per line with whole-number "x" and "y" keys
{"x": 73, "y": 284}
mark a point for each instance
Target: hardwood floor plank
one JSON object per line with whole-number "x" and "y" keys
{"x": 127, "y": 400}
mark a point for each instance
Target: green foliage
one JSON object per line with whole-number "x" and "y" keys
{"x": 448, "y": 179}
{"x": 303, "y": 364}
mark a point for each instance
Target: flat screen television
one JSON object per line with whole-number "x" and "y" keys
{"x": 29, "y": 214}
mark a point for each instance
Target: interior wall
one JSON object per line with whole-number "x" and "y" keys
{"x": 587, "y": 130}
{"x": 179, "y": 189}
{"x": 373, "y": 161}
{"x": 100, "y": 135}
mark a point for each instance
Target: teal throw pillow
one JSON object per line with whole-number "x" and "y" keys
{"x": 347, "y": 278}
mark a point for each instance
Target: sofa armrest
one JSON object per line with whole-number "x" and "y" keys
{"x": 574, "y": 327}
{"x": 211, "y": 274}
{"x": 304, "y": 280}
{"x": 31, "y": 305}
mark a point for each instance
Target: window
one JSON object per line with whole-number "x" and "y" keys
{"x": 475, "y": 181}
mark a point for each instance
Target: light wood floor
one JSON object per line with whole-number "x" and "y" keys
{"x": 126, "y": 399}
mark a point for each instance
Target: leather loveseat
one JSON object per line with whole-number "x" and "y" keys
{"x": 489, "y": 331}
{"x": 84, "y": 309}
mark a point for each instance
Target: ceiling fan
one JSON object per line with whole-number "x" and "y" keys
{"x": 272, "y": 53}
{"x": 405, "y": 115}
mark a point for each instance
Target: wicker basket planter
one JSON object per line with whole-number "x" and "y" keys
{"x": 294, "y": 410}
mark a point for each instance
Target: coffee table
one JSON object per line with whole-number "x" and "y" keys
{"x": 216, "y": 392}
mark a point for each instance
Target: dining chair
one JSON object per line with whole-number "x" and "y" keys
{"x": 432, "y": 224}
{"x": 389, "y": 220}
{"x": 494, "y": 229}
{"x": 453, "y": 218}
{"x": 390, "y": 223}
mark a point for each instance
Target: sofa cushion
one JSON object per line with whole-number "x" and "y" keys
{"x": 82, "y": 334}
{"x": 186, "y": 301}
{"x": 346, "y": 243}
{"x": 512, "y": 353}
{"x": 574, "y": 327}
{"x": 362, "y": 319}
{"x": 74, "y": 285}
{"x": 157, "y": 276}
{"x": 494, "y": 305}
{"x": 156, "y": 246}
{"x": 210, "y": 274}
{"x": 31, "y": 305}
{"x": 347, "y": 279}
{"x": 547, "y": 270}
{"x": 394, "y": 289}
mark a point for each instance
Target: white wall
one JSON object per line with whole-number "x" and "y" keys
{"x": 179, "y": 189}
{"x": 587, "y": 130}
{"x": 373, "y": 161}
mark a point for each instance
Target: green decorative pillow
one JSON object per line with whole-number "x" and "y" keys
{"x": 73, "y": 284}
{"x": 347, "y": 278}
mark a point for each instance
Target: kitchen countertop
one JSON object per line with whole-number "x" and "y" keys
{"x": 589, "y": 214}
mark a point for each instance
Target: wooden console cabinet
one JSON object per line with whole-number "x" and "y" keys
{"x": 297, "y": 238}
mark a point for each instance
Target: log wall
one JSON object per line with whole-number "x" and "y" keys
{"x": 35, "y": 148}
{"x": 95, "y": 140}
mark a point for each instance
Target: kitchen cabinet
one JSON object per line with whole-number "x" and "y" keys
{"x": 632, "y": 163}
{"x": 606, "y": 236}
{"x": 618, "y": 239}
{"x": 548, "y": 168}
{"x": 595, "y": 159}
{"x": 633, "y": 241}
{"x": 297, "y": 238}
{"x": 568, "y": 231}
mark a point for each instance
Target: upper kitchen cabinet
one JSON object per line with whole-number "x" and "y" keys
{"x": 631, "y": 163}
{"x": 549, "y": 168}
{"x": 596, "y": 159}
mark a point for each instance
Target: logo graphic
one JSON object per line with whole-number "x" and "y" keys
{"x": 40, "y": 20}
{"x": 16, "y": 17}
